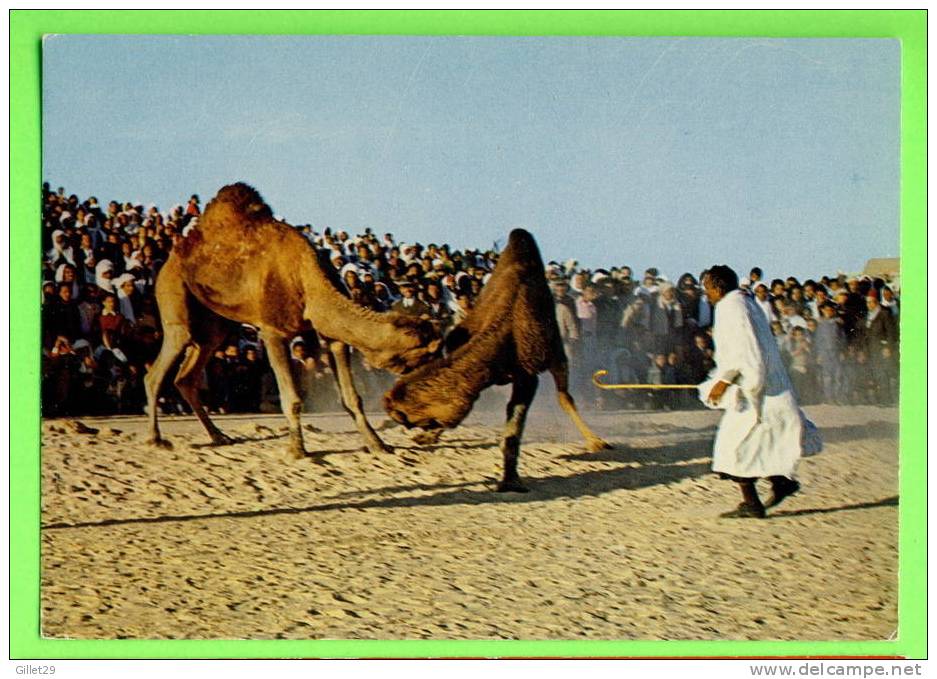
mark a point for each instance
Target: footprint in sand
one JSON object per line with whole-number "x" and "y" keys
{"x": 79, "y": 427}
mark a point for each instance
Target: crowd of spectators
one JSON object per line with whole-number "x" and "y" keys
{"x": 101, "y": 330}
{"x": 837, "y": 334}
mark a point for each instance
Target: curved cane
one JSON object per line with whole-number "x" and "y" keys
{"x": 602, "y": 373}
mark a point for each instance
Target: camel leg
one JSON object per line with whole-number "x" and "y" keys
{"x": 289, "y": 399}
{"x": 561, "y": 377}
{"x": 351, "y": 401}
{"x": 211, "y": 332}
{"x": 173, "y": 301}
{"x": 175, "y": 338}
{"x": 522, "y": 394}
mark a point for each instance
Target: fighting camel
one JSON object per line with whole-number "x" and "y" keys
{"x": 509, "y": 337}
{"x": 240, "y": 265}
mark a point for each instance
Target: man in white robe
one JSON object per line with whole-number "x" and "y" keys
{"x": 760, "y": 434}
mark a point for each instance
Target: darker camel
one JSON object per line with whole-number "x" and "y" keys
{"x": 240, "y": 265}
{"x": 509, "y": 337}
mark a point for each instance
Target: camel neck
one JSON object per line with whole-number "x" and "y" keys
{"x": 337, "y": 317}
{"x": 464, "y": 374}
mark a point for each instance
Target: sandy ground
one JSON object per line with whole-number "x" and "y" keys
{"x": 241, "y": 542}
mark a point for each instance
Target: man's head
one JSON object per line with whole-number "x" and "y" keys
{"x": 810, "y": 289}
{"x": 560, "y": 288}
{"x": 755, "y": 275}
{"x": 828, "y": 310}
{"x": 719, "y": 281}
{"x": 761, "y": 292}
{"x": 464, "y": 301}
{"x": 299, "y": 350}
{"x": 590, "y": 293}
{"x": 433, "y": 291}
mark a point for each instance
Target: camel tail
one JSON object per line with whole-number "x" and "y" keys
{"x": 235, "y": 202}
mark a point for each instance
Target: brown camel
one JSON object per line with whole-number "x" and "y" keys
{"x": 510, "y": 336}
{"x": 240, "y": 265}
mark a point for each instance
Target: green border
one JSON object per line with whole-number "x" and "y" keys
{"x": 26, "y": 30}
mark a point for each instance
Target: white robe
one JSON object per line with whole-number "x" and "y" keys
{"x": 761, "y": 432}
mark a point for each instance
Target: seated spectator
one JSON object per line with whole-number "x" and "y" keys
{"x": 791, "y": 318}
{"x": 62, "y": 316}
{"x": 409, "y": 304}
{"x": 438, "y": 311}
{"x": 700, "y": 359}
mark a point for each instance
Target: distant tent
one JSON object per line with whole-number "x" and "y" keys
{"x": 883, "y": 266}
{"x": 888, "y": 268}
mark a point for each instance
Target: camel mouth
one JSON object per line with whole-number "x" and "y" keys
{"x": 428, "y": 423}
{"x": 400, "y": 417}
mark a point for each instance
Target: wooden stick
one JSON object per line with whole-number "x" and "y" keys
{"x": 601, "y": 373}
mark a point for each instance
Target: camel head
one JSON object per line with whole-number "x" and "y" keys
{"x": 413, "y": 405}
{"x": 415, "y": 342}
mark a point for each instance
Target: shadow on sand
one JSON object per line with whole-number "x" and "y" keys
{"x": 884, "y": 502}
{"x": 658, "y": 465}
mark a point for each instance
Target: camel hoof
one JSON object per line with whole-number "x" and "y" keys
{"x": 595, "y": 445}
{"x": 383, "y": 448}
{"x": 220, "y": 439}
{"x": 319, "y": 459}
{"x": 300, "y": 454}
{"x": 512, "y": 486}
{"x": 158, "y": 442}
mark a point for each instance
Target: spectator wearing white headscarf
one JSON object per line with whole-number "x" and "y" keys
{"x": 128, "y": 296}
{"x": 68, "y": 273}
{"x": 103, "y": 273}
{"x": 61, "y": 252}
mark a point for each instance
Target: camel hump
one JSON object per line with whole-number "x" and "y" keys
{"x": 522, "y": 248}
{"x": 521, "y": 238}
{"x": 242, "y": 199}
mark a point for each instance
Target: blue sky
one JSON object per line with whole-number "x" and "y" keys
{"x": 675, "y": 153}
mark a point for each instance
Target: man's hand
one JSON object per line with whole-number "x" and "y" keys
{"x": 715, "y": 395}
